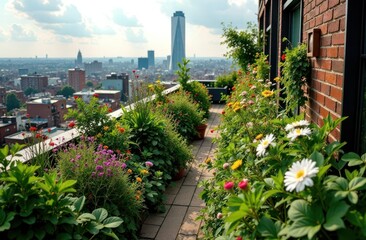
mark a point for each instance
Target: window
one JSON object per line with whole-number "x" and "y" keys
{"x": 292, "y": 21}
{"x": 363, "y": 94}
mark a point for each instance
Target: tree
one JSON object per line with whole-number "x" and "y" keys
{"x": 30, "y": 91}
{"x": 66, "y": 91}
{"x": 12, "y": 102}
{"x": 89, "y": 84}
{"x": 242, "y": 45}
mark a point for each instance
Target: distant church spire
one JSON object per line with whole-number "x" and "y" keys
{"x": 79, "y": 60}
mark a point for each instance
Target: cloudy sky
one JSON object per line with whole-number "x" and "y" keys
{"x": 112, "y": 28}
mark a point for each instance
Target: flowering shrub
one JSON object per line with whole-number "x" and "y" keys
{"x": 277, "y": 177}
{"x": 101, "y": 177}
{"x": 157, "y": 88}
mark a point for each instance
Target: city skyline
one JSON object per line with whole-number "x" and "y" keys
{"x": 59, "y": 28}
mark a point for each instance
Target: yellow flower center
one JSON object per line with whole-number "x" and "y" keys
{"x": 265, "y": 143}
{"x": 298, "y": 131}
{"x": 300, "y": 174}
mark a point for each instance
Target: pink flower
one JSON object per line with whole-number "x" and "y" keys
{"x": 239, "y": 238}
{"x": 219, "y": 215}
{"x": 251, "y": 102}
{"x": 243, "y": 184}
{"x": 228, "y": 185}
{"x": 226, "y": 165}
{"x": 149, "y": 164}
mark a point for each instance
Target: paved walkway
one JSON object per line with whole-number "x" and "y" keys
{"x": 182, "y": 197}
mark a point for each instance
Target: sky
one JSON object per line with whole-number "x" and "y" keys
{"x": 116, "y": 28}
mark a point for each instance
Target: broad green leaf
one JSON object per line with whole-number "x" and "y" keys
{"x": 109, "y": 233}
{"x": 85, "y": 217}
{"x": 353, "y": 197}
{"x": 323, "y": 170}
{"x": 235, "y": 216}
{"x": 66, "y": 187}
{"x": 351, "y": 156}
{"x": 30, "y": 220}
{"x": 318, "y": 158}
{"x": 358, "y": 183}
{"x": 112, "y": 222}
{"x": 303, "y": 228}
{"x": 100, "y": 214}
{"x": 355, "y": 163}
{"x": 267, "y": 228}
{"x": 64, "y": 236}
{"x": 336, "y": 211}
{"x": 79, "y": 203}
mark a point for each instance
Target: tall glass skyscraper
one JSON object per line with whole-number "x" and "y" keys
{"x": 178, "y": 40}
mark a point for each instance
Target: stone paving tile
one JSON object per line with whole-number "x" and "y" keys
{"x": 171, "y": 225}
{"x": 183, "y": 237}
{"x": 154, "y": 219}
{"x": 163, "y": 214}
{"x": 184, "y": 195}
{"x": 190, "y": 225}
{"x": 169, "y": 198}
{"x": 196, "y": 200}
{"x": 174, "y": 186}
{"x": 149, "y": 231}
{"x": 193, "y": 176}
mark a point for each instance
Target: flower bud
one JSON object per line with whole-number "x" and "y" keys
{"x": 243, "y": 184}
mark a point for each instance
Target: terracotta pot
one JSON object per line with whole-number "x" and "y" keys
{"x": 201, "y": 129}
{"x": 179, "y": 175}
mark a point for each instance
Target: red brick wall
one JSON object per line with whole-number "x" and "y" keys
{"x": 325, "y": 86}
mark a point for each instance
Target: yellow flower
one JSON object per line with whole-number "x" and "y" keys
{"x": 277, "y": 79}
{"x": 236, "y": 109}
{"x": 208, "y": 160}
{"x": 144, "y": 172}
{"x": 137, "y": 197}
{"x": 267, "y": 93}
{"x": 105, "y": 128}
{"x": 129, "y": 171}
{"x": 151, "y": 87}
{"x": 237, "y": 164}
{"x": 158, "y": 81}
{"x": 138, "y": 179}
{"x": 259, "y": 137}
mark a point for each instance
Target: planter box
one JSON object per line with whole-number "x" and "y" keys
{"x": 216, "y": 93}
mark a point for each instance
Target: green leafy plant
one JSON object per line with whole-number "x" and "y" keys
{"x": 185, "y": 113}
{"x": 295, "y": 71}
{"x": 42, "y": 207}
{"x": 242, "y": 45}
{"x": 91, "y": 118}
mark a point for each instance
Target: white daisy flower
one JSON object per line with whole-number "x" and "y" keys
{"x": 301, "y": 123}
{"x": 300, "y": 174}
{"x": 298, "y": 132}
{"x": 264, "y": 144}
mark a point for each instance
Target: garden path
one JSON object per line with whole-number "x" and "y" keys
{"x": 182, "y": 203}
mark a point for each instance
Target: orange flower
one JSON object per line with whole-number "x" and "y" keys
{"x": 110, "y": 110}
{"x": 129, "y": 171}
{"x": 121, "y": 130}
{"x": 138, "y": 179}
{"x": 105, "y": 147}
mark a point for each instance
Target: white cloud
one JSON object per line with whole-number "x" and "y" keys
{"x": 135, "y": 36}
{"x": 121, "y": 19}
{"x": 18, "y": 33}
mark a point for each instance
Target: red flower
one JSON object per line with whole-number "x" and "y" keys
{"x": 212, "y": 130}
{"x": 23, "y": 134}
{"x": 223, "y": 112}
{"x": 128, "y": 151}
{"x": 233, "y": 88}
{"x": 49, "y": 130}
{"x": 44, "y": 137}
{"x": 228, "y": 185}
{"x": 110, "y": 110}
{"x": 121, "y": 130}
{"x": 243, "y": 184}
{"x": 96, "y": 95}
{"x": 133, "y": 71}
{"x": 137, "y": 76}
{"x": 38, "y": 135}
{"x": 76, "y": 97}
{"x": 52, "y": 144}
{"x": 27, "y": 115}
{"x": 32, "y": 129}
{"x": 283, "y": 57}
{"x": 71, "y": 124}
{"x": 239, "y": 238}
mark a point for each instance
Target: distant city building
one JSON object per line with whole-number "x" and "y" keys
{"x": 79, "y": 60}
{"x": 76, "y": 79}
{"x": 178, "y": 42}
{"x": 142, "y": 63}
{"x": 22, "y": 71}
{"x": 119, "y": 82}
{"x": 35, "y": 81}
{"x": 93, "y": 67}
{"x": 151, "y": 58}
{"x": 8, "y": 126}
{"x": 168, "y": 61}
{"x": 50, "y": 110}
{"x": 2, "y": 95}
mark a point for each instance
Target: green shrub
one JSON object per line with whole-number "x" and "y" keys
{"x": 155, "y": 140}
{"x": 227, "y": 80}
{"x": 101, "y": 177}
{"x": 42, "y": 207}
{"x": 184, "y": 113}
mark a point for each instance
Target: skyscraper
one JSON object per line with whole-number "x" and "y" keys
{"x": 79, "y": 60}
{"x": 151, "y": 58}
{"x": 178, "y": 40}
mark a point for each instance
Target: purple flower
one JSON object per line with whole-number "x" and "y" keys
{"x": 149, "y": 164}
{"x": 124, "y": 165}
{"x": 78, "y": 157}
{"x": 99, "y": 168}
{"x": 72, "y": 160}
{"x": 101, "y": 174}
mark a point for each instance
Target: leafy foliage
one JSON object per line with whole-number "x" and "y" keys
{"x": 12, "y": 102}
{"x": 242, "y": 45}
{"x": 66, "y": 91}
